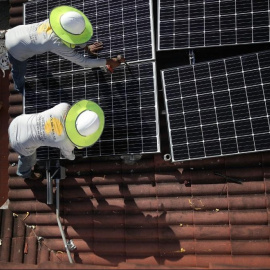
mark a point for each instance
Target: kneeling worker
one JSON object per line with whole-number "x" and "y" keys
{"x": 62, "y": 126}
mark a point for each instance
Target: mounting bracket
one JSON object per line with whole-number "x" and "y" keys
{"x": 191, "y": 57}
{"x": 59, "y": 173}
{"x": 130, "y": 159}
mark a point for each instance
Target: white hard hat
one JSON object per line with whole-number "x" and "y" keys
{"x": 87, "y": 123}
{"x": 73, "y": 22}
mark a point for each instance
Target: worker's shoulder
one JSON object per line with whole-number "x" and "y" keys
{"x": 62, "y": 105}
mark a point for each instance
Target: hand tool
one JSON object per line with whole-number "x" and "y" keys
{"x": 119, "y": 57}
{"x": 109, "y": 68}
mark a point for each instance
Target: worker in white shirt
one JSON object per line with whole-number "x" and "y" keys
{"x": 65, "y": 28}
{"x": 62, "y": 126}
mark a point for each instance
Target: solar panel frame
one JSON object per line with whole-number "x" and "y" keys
{"x": 129, "y": 101}
{"x": 211, "y": 23}
{"x": 223, "y": 107}
{"x": 138, "y": 34}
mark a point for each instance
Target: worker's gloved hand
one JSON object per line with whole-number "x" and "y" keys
{"x": 115, "y": 62}
{"x": 94, "y": 48}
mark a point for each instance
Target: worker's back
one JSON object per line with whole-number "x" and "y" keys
{"x": 27, "y": 132}
{"x": 24, "y": 41}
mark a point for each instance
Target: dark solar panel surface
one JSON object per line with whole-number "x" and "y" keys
{"x": 200, "y": 23}
{"x": 218, "y": 108}
{"x": 125, "y": 27}
{"x": 129, "y": 101}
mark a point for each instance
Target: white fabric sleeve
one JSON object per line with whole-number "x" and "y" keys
{"x": 67, "y": 154}
{"x": 82, "y": 45}
{"x": 75, "y": 57}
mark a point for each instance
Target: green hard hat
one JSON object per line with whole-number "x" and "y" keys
{"x": 84, "y": 123}
{"x": 71, "y": 25}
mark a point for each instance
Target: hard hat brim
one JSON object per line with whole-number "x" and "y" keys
{"x": 70, "y": 123}
{"x": 57, "y": 28}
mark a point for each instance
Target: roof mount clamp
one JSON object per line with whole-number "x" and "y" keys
{"x": 70, "y": 245}
{"x": 131, "y": 159}
{"x": 191, "y": 57}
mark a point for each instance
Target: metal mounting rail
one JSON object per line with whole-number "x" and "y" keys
{"x": 60, "y": 174}
{"x": 49, "y": 184}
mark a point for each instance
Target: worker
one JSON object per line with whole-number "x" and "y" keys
{"x": 65, "y": 28}
{"x": 62, "y": 126}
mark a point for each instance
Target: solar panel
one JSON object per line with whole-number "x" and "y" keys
{"x": 218, "y": 108}
{"x": 125, "y": 27}
{"x": 128, "y": 98}
{"x": 199, "y": 23}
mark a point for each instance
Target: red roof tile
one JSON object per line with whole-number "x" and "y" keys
{"x": 150, "y": 214}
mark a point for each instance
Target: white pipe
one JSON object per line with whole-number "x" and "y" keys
{"x": 59, "y": 222}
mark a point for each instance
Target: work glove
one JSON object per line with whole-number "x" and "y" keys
{"x": 94, "y": 48}
{"x": 115, "y": 62}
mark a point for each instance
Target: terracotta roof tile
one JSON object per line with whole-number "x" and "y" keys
{"x": 150, "y": 214}
{"x": 145, "y": 218}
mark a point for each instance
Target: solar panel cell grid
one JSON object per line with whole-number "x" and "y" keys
{"x": 191, "y": 24}
{"x": 224, "y": 111}
{"x": 129, "y": 102}
{"x": 124, "y": 27}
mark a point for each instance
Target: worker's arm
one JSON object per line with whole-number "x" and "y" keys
{"x": 79, "y": 59}
{"x": 75, "y": 57}
{"x": 97, "y": 46}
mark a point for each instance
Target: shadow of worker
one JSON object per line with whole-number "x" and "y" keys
{"x": 134, "y": 233}
{"x": 113, "y": 225}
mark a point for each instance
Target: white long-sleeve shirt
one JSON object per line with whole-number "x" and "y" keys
{"x": 25, "y": 41}
{"x": 27, "y": 132}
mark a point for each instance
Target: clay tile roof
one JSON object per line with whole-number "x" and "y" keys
{"x": 148, "y": 215}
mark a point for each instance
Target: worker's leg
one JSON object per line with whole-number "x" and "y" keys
{"x": 18, "y": 71}
{"x": 25, "y": 165}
